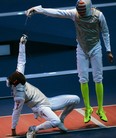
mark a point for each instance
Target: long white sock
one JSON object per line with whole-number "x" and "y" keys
{"x": 45, "y": 125}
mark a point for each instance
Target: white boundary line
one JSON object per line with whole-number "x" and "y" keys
{"x": 58, "y": 73}
{"x": 18, "y": 13}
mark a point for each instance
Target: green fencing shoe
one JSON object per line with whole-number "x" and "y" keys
{"x": 102, "y": 115}
{"x": 87, "y": 116}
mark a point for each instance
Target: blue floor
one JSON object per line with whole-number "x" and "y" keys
{"x": 92, "y": 133}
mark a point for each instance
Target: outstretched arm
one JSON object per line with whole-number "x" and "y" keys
{"x": 22, "y": 55}
{"x": 69, "y": 13}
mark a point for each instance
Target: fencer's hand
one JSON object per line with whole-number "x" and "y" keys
{"x": 33, "y": 10}
{"x": 110, "y": 57}
{"x": 30, "y": 12}
{"x": 13, "y": 132}
{"x": 23, "y": 39}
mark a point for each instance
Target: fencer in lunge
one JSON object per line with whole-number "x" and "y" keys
{"x": 25, "y": 93}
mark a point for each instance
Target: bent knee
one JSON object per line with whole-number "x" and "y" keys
{"x": 75, "y": 99}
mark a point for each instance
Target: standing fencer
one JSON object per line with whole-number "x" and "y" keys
{"x": 25, "y": 93}
{"x": 89, "y": 23}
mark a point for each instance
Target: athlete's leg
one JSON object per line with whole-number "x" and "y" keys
{"x": 52, "y": 119}
{"x": 83, "y": 70}
{"x": 96, "y": 62}
{"x": 65, "y": 102}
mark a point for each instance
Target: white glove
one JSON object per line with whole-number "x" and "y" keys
{"x": 33, "y": 10}
{"x": 23, "y": 39}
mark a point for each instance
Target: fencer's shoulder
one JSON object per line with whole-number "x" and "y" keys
{"x": 96, "y": 11}
{"x": 29, "y": 86}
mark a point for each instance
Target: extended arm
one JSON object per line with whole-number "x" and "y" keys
{"x": 22, "y": 55}
{"x": 69, "y": 13}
